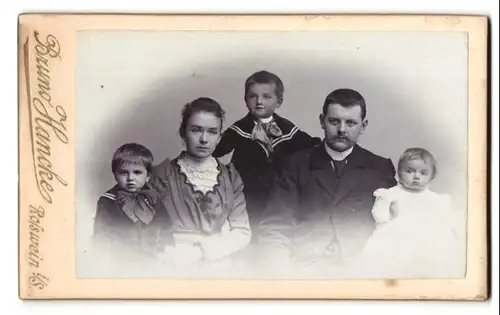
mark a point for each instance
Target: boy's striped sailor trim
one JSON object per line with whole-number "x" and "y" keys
{"x": 109, "y": 196}
{"x": 275, "y": 142}
{"x": 249, "y": 136}
{"x": 241, "y": 132}
{"x": 285, "y": 137}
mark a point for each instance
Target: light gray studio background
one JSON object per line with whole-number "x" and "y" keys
{"x": 131, "y": 86}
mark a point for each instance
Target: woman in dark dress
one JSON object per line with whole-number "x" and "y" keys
{"x": 203, "y": 197}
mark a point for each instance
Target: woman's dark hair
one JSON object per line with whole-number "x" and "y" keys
{"x": 202, "y": 104}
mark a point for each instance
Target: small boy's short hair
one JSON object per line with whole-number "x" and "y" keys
{"x": 345, "y": 98}
{"x": 266, "y": 77}
{"x": 417, "y": 154}
{"x": 132, "y": 153}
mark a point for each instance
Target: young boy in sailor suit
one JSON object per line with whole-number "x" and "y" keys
{"x": 130, "y": 226}
{"x": 261, "y": 140}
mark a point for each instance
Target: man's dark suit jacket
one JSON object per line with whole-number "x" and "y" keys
{"x": 311, "y": 212}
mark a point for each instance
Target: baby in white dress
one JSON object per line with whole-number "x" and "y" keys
{"x": 417, "y": 229}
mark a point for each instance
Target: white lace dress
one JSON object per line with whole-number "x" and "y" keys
{"x": 420, "y": 241}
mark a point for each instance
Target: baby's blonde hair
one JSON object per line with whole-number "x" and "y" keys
{"x": 417, "y": 153}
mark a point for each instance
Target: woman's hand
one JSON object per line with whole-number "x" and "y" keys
{"x": 182, "y": 254}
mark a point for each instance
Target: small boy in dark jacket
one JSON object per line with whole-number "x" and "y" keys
{"x": 261, "y": 140}
{"x": 131, "y": 225}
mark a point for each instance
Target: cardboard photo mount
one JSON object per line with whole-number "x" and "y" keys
{"x": 47, "y": 49}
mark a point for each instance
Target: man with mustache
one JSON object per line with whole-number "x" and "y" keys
{"x": 320, "y": 208}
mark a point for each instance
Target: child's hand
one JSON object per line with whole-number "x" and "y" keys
{"x": 394, "y": 210}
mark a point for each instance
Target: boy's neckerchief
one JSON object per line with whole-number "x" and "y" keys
{"x": 266, "y": 133}
{"x": 137, "y": 205}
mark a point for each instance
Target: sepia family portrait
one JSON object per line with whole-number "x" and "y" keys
{"x": 297, "y": 155}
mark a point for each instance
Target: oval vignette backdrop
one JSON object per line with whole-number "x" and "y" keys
{"x": 131, "y": 86}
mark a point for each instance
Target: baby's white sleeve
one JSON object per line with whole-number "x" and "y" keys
{"x": 380, "y": 210}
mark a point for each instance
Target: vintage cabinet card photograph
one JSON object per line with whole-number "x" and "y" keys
{"x": 252, "y": 156}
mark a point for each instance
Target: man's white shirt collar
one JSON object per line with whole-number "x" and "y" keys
{"x": 337, "y": 156}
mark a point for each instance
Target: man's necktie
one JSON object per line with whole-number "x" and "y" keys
{"x": 339, "y": 167}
